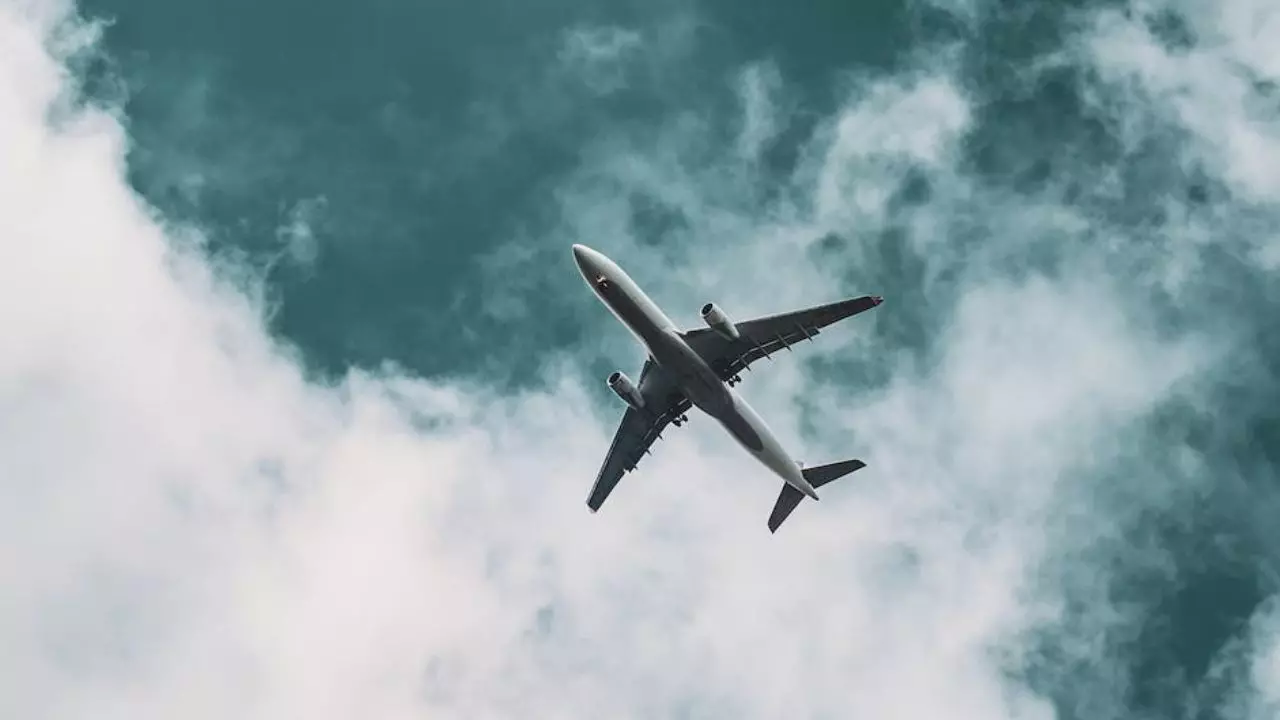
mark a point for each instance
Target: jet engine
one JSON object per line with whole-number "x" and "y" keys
{"x": 621, "y": 384}
{"x": 718, "y": 321}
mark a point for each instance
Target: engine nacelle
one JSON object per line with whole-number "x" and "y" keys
{"x": 622, "y": 386}
{"x": 715, "y": 318}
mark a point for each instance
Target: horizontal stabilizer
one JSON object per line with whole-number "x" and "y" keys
{"x": 818, "y": 476}
{"x": 823, "y": 474}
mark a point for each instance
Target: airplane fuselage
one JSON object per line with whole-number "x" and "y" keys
{"x": 704, "y": 388}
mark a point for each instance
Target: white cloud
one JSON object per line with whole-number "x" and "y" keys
{"x": 1220, "y": 89}
{"x": 600, "y": 55}
{"x": 297, "y": 234}
{"x": 1212, "y": 87}
{"x": 192, "y": 529}
{"x": 1265, "y": 670}
{"x": 759, "y": 87}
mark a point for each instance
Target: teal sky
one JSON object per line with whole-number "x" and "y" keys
{"x": 1068, "y": 402}
{"x": 425, "y": 135}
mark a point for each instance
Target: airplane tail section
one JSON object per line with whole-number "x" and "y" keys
{"x": 818, "y": 476}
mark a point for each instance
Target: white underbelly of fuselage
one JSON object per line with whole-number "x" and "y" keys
{"x": 695, "y": 378}
{"x": 709, "y": 394}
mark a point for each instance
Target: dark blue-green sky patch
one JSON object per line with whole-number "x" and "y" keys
{"x": 432, "y": 131}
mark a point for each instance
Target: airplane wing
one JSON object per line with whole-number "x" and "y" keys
{"x": 639, "y": 428}
{"x": 764, "y": 336}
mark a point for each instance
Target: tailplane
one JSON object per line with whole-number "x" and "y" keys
{"x": 818, "y": 476}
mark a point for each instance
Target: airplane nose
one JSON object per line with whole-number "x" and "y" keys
{"x": 586, "y": 258}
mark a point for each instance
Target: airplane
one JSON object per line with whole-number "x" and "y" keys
{"x": 700, "y": 367}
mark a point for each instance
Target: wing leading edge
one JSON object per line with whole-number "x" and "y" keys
{"x": 639, "y": 429}
{"x": 761, "y": 337}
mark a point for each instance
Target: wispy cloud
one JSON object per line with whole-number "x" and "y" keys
{"x": 192, "y": 528}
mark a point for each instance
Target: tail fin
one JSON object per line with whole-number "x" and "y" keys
{"x": 818, "y": 476}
